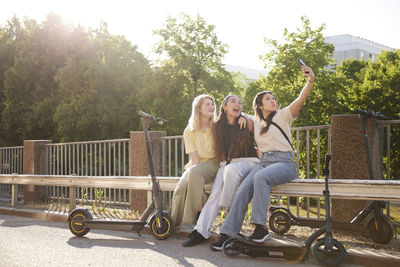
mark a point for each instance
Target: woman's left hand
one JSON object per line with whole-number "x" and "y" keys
{"x": 242, "y": 122}
{"x": 308, "y": 72}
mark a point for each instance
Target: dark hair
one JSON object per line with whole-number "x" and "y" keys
{"x": 257, "y": 102}
{"x": 241, "y": 137}
{"x": 218, "y": 130}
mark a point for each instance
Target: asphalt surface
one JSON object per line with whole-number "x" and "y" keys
{"x": 33, "y": 242}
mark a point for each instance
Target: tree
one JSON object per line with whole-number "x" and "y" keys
{"x": 286, "y": 80}
{"x": 29, "y": 83}
{"x": 380, "y": 92}
{"x": 191, "y": 65}
{"x": 99, "y": 88}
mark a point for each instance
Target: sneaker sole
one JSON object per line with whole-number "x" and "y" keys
{"x": 262, "y": 239}
{"x": 217, "y": 248}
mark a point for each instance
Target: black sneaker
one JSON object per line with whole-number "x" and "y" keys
{"x": 259, "y": 235}
{"x": 194, "y": 239}
{"x": 219, "y": 244}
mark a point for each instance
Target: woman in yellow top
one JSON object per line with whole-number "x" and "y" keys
{"x": 203, "y": 165}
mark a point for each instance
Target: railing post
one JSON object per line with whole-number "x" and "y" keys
{"x": 72, "y": 197}
{"x": 139, "y": 166}
{"x": 14, "y": 195}
{"x": 34, "y": 163}
{"x": 349, "y": 160}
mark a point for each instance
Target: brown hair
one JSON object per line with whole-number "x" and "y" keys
{"x": 257, "y": 102}
{"x": 241, "y": 140}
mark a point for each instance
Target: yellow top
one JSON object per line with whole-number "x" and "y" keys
{"x": 200, "y": 142}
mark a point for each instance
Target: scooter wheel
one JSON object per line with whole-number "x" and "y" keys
{"x": 382, "y": 234}
{"x": 76, "y": 222}
{"x": 163, "y": 229}
{"x": 232, "y": 247}
{"x": 279, "y": 222}
{"x": 329, "y": 258}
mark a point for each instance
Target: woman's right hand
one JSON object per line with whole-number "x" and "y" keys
{"x": 308, "y": 72}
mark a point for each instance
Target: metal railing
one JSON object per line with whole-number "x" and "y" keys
{"x": 11, "y": 161}
{"x": 310, "y": 143}
{"x": 91, "y": 158}
{"x": 390, "y": 128}
{"x": 110, "y": 158}
{"x": 341, "y": 189}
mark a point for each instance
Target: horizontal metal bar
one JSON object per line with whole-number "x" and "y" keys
{"x": 317, "y": 127}
{"x": 171, "y": 137}
{"x": 354, "y": 189}
{"x": 11, "y": 147}
{"x": 91, "y": 142}
{"x": 386, "y": 122}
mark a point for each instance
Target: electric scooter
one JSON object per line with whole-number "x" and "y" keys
{"x": 379, "y": 227}
{"x": 326, "y": 250}
{"x": 81, "y": 220}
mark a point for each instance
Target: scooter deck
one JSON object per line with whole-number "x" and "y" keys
{"x": 114, "y": 225}
{"x": 290, "y": 253}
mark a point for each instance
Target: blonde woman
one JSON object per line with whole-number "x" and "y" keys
{"x": 202, "y": 166}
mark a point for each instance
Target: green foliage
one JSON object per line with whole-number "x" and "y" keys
{"x": 67, "y": 83}
{"x": 286, "y": 80}
{"x": 99, "y": 86}
{"x": 191, "y": 66}
{"x": 64, "y": 83}
{"x": 380, "y": 92}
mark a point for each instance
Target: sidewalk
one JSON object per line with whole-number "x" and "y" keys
{"x": 355, "y": 255}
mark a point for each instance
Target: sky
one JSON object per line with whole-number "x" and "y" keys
{"x": 242, "y": 25}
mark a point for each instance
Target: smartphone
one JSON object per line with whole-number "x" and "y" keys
{"x": 302, "y": 64}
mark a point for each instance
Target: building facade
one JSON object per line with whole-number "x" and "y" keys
{"x": 349, "y": 46}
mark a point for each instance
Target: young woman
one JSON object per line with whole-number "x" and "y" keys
{"x": 202, "y": 166}
{"x": 277, "y": 165}
{"x": 235, "y": 149}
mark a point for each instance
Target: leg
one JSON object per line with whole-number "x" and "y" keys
{"x": 275, "y": 173}
{"x": 233, "y": 176}
{"x": 198, "y": 176}
{"x": 211, "y": 208}
{"x": 179, "y": 198}
{"x": 243, "y": 196}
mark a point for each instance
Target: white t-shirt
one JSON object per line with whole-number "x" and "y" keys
{"x": 273, "y": 139}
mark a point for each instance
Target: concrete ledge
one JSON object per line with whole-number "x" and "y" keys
{"x": 364, "y": 258}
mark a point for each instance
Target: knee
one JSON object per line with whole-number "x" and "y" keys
{"x": 260, "y": 179}
{"x": 230, "y": 174}
{"x": 194, "y": 171}
{"x": 194, "y": 176}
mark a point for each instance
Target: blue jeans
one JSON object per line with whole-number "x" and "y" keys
{"x": 274, "y": 169}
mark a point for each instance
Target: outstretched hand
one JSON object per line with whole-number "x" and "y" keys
{"x": 308, "y": 72}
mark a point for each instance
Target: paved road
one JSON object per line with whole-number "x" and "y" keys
{"x": 31, "y": 242}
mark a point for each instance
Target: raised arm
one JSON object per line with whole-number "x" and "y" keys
{"x": 296, "y": 105}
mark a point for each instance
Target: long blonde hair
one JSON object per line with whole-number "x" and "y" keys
{"x": 194, "y": 120}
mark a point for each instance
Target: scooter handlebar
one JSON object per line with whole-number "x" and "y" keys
{"x": 152, "y": 117}
{"x": 375, "y": 115}
{"x": 325, "y": 171}
{"x": 327, "y": 160}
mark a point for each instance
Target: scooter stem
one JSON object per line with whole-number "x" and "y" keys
{"x": 155, "y": 187}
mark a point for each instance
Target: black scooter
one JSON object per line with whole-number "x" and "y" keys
{"x": 379, "y": 227}
{"x": 326, "y": 250}
{"x": 81, "y": 220}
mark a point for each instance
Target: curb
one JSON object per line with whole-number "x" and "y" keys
{"x": 353, "y": 256}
